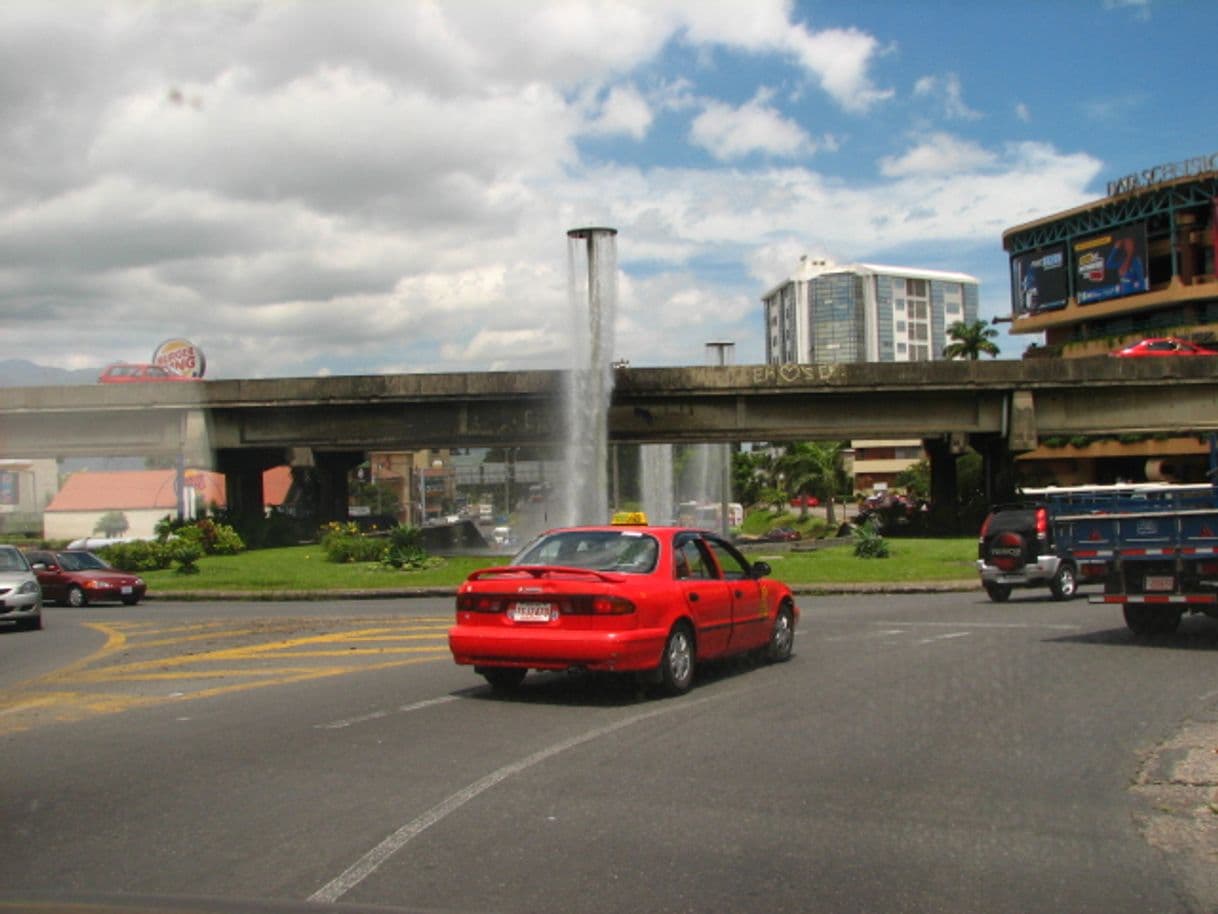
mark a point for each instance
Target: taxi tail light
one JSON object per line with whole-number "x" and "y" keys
{"x": 479, "y": 603}
{"x": 598, "y": 605}
{"x": 611, "y": 606}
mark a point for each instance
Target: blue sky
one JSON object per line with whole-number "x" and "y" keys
{"x": 368, "y": 187}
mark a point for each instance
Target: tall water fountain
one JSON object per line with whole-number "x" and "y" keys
{"x": 592, "y": 273}
{"x": 655, "y": 468}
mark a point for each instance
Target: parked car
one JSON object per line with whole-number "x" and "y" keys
{"x": 1162, "y": 346}
{"x": 77, "y": 577}
{"x": 1015, "y": 549}
{"x": 135, "y": 372}
{"x": 20, "y": 595}
{"x": 653, "y": 601}
{"x": 782, "y": 535}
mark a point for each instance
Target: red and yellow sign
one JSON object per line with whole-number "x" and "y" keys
{"x": 180, "y": 357}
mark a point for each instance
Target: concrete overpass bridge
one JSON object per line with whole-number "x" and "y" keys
{"x": 241, "y": 427}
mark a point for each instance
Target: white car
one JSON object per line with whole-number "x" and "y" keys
{"x": 20, "y": 595}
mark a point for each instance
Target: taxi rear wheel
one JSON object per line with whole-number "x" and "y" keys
{"x": 677, "y": 662}
{"x": 504, "y": 679}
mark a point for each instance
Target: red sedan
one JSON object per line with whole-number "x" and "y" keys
{"x": 648, "y": 600}
{"x": 77, "y": 577}
{"x": 137, "y": 373}
{"x": 1162, "y": 346}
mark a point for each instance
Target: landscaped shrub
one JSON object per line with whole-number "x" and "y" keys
{"x": 138, "y": 555}
{"x": 868, "y": 543}
{"x": 405, "y": 548}
{"x": 186, "y": 555}
{"x": 343, "y": 543}
{"x": 212, "y": 538}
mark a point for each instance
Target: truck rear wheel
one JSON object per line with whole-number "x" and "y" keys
{"x": 1147, "y": 621}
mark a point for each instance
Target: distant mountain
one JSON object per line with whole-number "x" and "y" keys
{"x": 23, "y": 373}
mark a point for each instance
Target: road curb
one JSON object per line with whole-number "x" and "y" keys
{"x": 407, "y": 593}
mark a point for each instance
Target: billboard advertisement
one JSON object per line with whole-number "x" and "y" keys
{"x": 1111, "y": 265}
{"x": 1038, "y": 280}
{"x": 180, "y": 357}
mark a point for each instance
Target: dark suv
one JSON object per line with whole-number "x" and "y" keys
{"x": 1015, "y": 549}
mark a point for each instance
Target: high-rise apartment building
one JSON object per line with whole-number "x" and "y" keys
{"x": 865, "y": 313}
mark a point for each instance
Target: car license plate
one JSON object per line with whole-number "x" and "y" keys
{"x": 532, "y": 612}
{"x": 1159, "y": 583}
{"x": 127, "y": 589}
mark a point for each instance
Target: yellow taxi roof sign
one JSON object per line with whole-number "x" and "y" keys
{"x": 629, "y": 519}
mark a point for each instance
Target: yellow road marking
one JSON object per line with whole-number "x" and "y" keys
{"x": 254, "y": 665}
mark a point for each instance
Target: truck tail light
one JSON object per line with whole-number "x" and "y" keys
{"x": 1042, "y": 522}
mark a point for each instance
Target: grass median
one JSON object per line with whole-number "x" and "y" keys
{"x": 305, "y": 568}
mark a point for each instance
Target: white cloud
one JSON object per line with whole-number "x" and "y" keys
{"x": 356, "y": 188}
{"x": 732, "y": 133}
{"x": 949, "y": 92}
{"x": 1023, "y": 112}
{"x": 939, "y": 154}
{"x": 1140, "y": 8}
{"x": 840, "y": 58}
{"x": 624, "y": 111}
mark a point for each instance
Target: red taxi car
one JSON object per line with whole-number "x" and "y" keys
{"x": 623, "y": 598}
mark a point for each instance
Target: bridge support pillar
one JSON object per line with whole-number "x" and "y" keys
{"x": 332, "y": 492}
{"x": 997, "y": 469}
{"x": 243, "y": 469}
{"x": 944, "y": 496}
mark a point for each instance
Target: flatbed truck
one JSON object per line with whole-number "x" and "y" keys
{"x": 1154, "y": 548}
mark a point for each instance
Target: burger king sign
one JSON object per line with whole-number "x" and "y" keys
{"x": 180, "y": 357}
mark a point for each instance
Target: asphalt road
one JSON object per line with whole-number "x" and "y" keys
{"x": 919, "y": 753}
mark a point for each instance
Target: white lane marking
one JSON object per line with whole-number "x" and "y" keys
{"x": 886, "y": 632}
{"x": 946, "y": 637}
{"x": 369, "y": 863}
{"x": 377, "y": 715}
{"x": 1018, "y": 625}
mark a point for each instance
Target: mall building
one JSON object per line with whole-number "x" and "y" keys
{"x": 1137, "y": 263}
{"x": 864, "y": 312}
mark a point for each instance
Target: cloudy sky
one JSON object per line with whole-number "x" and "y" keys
{"x": 322, "y": 187}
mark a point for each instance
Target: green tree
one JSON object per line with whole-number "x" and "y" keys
{"x": 112, "y": 524}
{"x": 380, "y": 496}
{"x": 970, "y": 339}
{"x": 915, "y": 479}
{"x": 752, "y": 473}
{"x": 814, "y": 468}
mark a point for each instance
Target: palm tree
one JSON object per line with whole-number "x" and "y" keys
{"x": 970, "y": 340}
{"x": 814, "y": 468}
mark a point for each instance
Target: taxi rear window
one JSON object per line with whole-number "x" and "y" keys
{"x": 626, "y": 551}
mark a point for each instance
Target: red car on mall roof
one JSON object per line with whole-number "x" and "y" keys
{"x": 1162, "y": 346}
{"x": 137, "y": 372}
{"x": 654, "y": 601}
